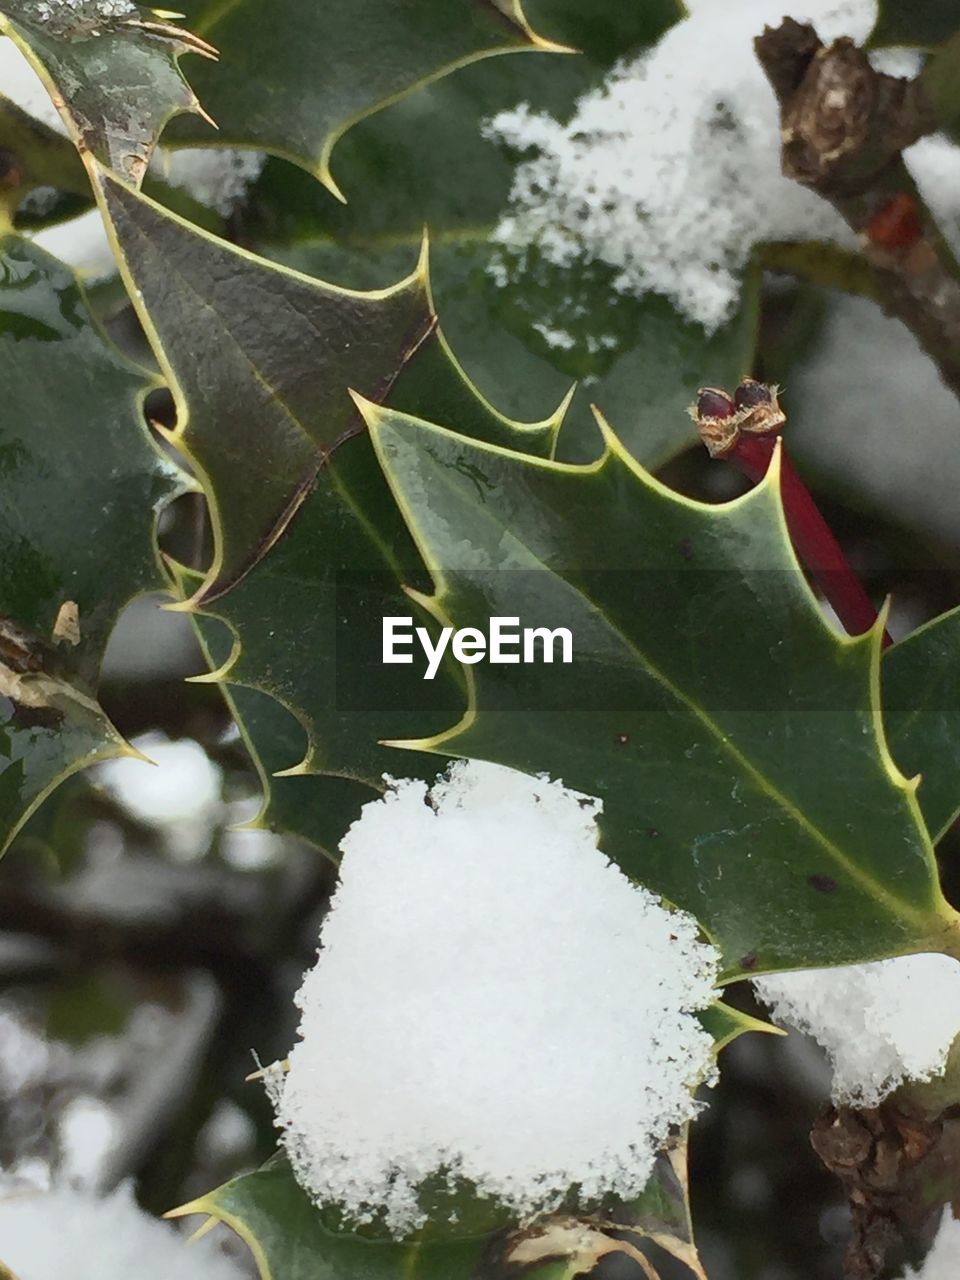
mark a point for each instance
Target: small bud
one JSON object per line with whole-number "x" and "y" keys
{"x": 716, "y": 417}
{"x": 712, "y": 403}
{"x": 758, "y": 407}
{"x": 751, "y": 393}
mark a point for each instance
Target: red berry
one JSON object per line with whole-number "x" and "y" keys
{"x": 712, "y": 403}
{"x": 751, "y": 393}
{"x": 897, "y": 225}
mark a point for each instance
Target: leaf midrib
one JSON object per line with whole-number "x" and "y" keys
{"x": 764, "y": 784}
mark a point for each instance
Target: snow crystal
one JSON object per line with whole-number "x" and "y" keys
{"x": 881, "y": 1024}
{"x": 46, "y": 1236}
{"x": 943, "y": 1260}
{"x": 670, "y": 173}
{"x": 493, "y": 1001}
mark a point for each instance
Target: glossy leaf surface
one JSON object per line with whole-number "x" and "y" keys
{"x": 312, "y": 552}
{"x": 295, "y": 75}
{"x": 523, "y": 337}
{"x": 118, "y": 78}
{"x": 733, "y": 736}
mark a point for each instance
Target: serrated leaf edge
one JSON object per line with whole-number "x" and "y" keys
{"x": 767, "y": 493}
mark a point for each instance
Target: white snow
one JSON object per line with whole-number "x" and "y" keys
{"x": 177, "y": 790}
{"x": 81, "y": 243}
{"x": 21, "y": 84}
{"x": 881, "y": 1024}
{"x": 218, "y": 177}
{"x": 670, "y": 174}
{"x": 943, "y": 1260}
{"x": 50, "y": 1235}
{"x": 494, "y": 1000}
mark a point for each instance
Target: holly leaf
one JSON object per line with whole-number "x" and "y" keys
{"x": 522, "y": 335}
{"x": 297, "y": 75}
{"x": 311, "y": 551}
{"x": 285, "y": 1233}
{"x": 81, "y": 485}
{"x": 260, "y": 359}
{"x": 733, "y": 737}
{"x": 915, "y": 23}
{"x": 115, "y": 79}
{"x": 921, "y": 704}
{"x": 304, "y": 626}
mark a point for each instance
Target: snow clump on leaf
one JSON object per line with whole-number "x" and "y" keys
{"x": 881, "y": 1024}
{"x": 494, "y": 1001}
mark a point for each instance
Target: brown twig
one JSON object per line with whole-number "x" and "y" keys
{"x": 897, "y": 1165}
{"x": 844, "y": 128}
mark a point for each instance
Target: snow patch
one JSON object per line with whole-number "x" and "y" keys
{"x": 881, "y": 1024}
{"x": 49, "y": 1235}
{"x": 943, "y": 1260}
{"x": 670, "y": 173}
{"x": 217, "y": 177}
{"x": 66, "y": 16}
{"x": 177, "y": 790}
{"x": 493, "y": 1001}
{"x": 24, "y": 88}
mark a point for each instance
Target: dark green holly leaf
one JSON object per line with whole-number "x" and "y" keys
{"x": 286, "y": 1235}
{"x": 296, "y": 75}
{"x": 118, "y": 77}
{"x": 425, "y": 160}
{"x": 307, "y": 626}
{"x": 605, "y": 30}
{"x": 81, "y": 484}
{"x": 916, "y": 23}
{"x": 635, "y": 357}
{"x": 263, "y": 358}
{"x": 284, "y": 1232}
{"x": 732, "y": 735}
{"x": 921, "y": 707}
{"x": 261, "y": 361}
